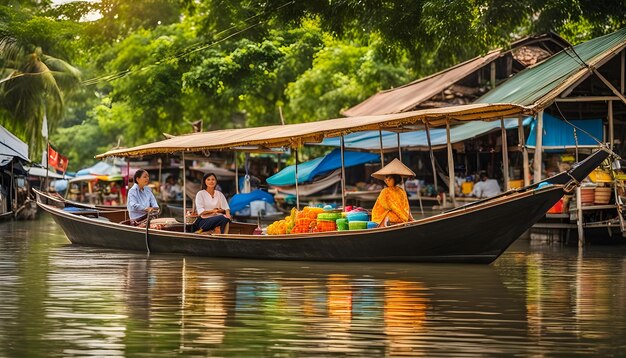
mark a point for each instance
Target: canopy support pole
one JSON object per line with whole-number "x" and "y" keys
{"x": 160, "y": 177}
{"x": 611, "y": 127}
{"x": 236, "y": 172}
{"x": 505, "y": 156}
{"x": 432, "y": 157}
{"x": 451, "y": 174}
{"x": 184, "y": 194}
{"x": 297, "y": 192}
{"x": 538, "y": 148}
{"x": 399, "y": 148}
{"x": 523, "y": 149}
{"x": 382, "y": 156}
{"x": 343, "y": 175}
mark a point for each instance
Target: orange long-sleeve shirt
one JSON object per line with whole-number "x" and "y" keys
{"x": 393, "y": 203}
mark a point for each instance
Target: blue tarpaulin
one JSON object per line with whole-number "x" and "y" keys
{"x": 307, "y": 171}
{"x": 370, "y": 140}
{"x": 558, "y": 134}
{"x": 240, "y": 201}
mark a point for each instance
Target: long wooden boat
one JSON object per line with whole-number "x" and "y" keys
{"x": 476, "y": 233}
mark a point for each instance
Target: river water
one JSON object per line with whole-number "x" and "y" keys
{"x": 59, "y": 299}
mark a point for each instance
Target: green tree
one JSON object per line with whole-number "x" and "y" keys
{"x": 33, "y": 83}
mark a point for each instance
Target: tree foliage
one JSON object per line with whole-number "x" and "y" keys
{"x": 154, "y": 66}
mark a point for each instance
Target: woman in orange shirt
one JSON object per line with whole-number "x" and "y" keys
{"x": 392, "y": 205}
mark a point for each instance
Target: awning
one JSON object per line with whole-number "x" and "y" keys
{"x": 541, "y": 84}
{"x": 313, "y": 132}
{"x": 408, "y": 96}
{"x": 307, "y": 171}
{"x": 239, "y": 201}
{"x": 41, "y": 172}
{"x": 417, "y": 140}
{"x": 558, "y": 134}
{"x": 10, "y": 147}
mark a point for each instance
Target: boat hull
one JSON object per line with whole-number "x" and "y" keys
{"x": 477, "y": 235}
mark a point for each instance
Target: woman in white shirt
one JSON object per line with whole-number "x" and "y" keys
{"x": 212, "y": 207}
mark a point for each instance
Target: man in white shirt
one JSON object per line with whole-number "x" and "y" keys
{"x": 486, "y": 187}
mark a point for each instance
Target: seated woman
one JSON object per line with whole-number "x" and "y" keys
{"x": 392, "y": 205}
{"x": 141, "y": 200}
{"x": 212, "y": 207}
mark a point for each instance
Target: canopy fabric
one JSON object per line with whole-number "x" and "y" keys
{"x": 307, "y": 171}
{"x": 42, "y": 172}
{"x": 417, "y": 140}
{"x": 540, "y": 85}
{"x": 296, "y": 134}
{"x": 100, "y": 168}
{"x": 240, "y": 201}
{"x": 312, "y": 188}
{"x": 408, "y": 96}
{"x": 558, "y": 134}
{"x": 10, "y": 147}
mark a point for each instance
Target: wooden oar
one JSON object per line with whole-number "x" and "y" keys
{"x": 147, "y": 232}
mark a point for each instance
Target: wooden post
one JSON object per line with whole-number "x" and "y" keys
{"x": 505, "y": 156}
{"x": 432, "y": 157}
{"x": 451, "y": 174}
{"x": 382, "y": 156}
{"x": 622, "y": 72}
{"x": 184, "y": 193}
{"x": 579, "y": 221}
{"x": 493, "y": 74}
{"x": 522, "y": 144}
{"x": 538, "y": 148}
{"x": 611, "y": 130}
{"x": 343, "y": 175}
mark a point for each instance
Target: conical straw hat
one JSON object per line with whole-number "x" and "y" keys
{"x": 394, "y": 167}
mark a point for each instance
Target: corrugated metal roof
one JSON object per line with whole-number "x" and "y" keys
{"x": 541, "y": 84}
{"x": 406, "y": 97}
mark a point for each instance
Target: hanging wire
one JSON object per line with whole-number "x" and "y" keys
{"x": 191, "y": 49}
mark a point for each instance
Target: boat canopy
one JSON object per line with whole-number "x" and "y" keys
{"x": 558, "y": 134}
{"x": 540, "y": 85}
{"x": 295, "y": 135}
{"x": 10, "y": 147}
{"x": 307, "y": 171}
{"x": 417, "y": 140}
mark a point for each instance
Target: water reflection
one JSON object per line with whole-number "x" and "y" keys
{"x": 66, "y": 300}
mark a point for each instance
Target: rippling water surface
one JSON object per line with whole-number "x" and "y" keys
{"x": 58, "y": 299}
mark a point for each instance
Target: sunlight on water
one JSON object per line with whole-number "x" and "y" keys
{"x": 59, "y": 299}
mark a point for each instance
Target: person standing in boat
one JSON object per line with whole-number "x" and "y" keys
{"x": 211, "y": 206}
{"x": 392, "y": 205}
{"x": 141, "y": 200}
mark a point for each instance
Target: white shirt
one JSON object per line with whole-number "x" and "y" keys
{"x": 486, "y": 188}
{"x": 204, "y": 201}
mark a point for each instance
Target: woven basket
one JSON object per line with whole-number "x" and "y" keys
{"x": 602, "y": 195}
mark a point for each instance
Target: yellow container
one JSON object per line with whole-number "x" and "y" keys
{"x": 466, "y": 187}
{"x": 513, "y": 184}
{"x": 600, "y": 176}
